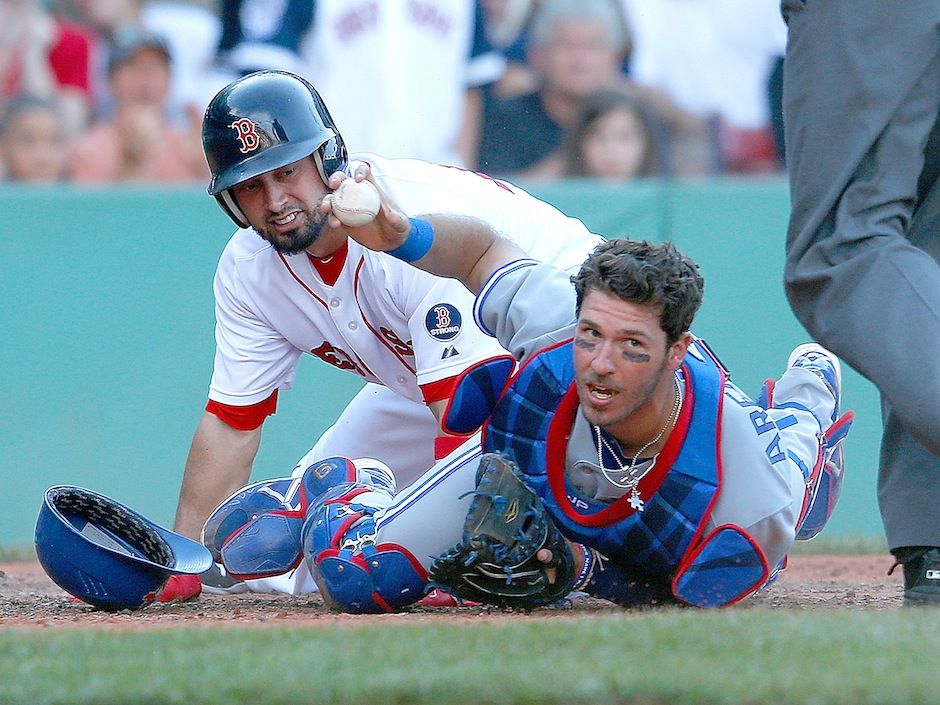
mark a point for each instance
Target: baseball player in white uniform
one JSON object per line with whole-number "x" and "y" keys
{"x": 419, "y": 65}
{"x": 669, "y": 482}
{"x": 303, "y": 287}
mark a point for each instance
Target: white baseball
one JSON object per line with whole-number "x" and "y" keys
{"x": 355, "y": 203}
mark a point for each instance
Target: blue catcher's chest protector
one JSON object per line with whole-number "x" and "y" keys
{"x": 531, "y": 424}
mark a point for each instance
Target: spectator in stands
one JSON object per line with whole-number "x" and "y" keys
{"x": 139, "y": 143}
{"x": 43, "y": 55}
{"x": 258, "y": 34}
{"x": 32, "y": 141}
{"x": 713, "y": 59}
{"x": 404, "y": 78}
{"x": 612, "y": 138}
{"x": 191, "y": 34}
{"x": 575, "y": 47}
{"x": 507, "y": 25}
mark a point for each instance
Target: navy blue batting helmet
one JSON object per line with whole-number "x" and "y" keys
{"x": 107, "y": 554}
{"x": 264, "y": 121}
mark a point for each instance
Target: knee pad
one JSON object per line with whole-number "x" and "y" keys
{"x": 352, "y": 572}
{"x": 255, "y": 533}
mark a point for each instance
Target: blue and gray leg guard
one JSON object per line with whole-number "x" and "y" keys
{"x": 255, "y": 533}
{"x": 825, "y": 483}
{"x": 353, "y": 573}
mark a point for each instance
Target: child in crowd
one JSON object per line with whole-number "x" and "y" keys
{"x": 32, "y": 142}
{"x": 611, "y": 139}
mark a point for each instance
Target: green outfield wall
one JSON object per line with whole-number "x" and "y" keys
{"x": 107, "y": 333}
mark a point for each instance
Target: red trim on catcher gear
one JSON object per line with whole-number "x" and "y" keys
{"x": 244, "y": 418}
{"x": 812, "y": 482}
{"x": 329, "y": 268}
{"x": 344, "y": 527}
{"x": 557, "y": 442}
{"x": 415, "y": 563}
{"x": 690, "y": 557}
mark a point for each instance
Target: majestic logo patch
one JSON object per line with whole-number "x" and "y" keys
{"x": 450, "y": 351}
{"x": 443, "y": 322}
{"x": 247, "y": 135}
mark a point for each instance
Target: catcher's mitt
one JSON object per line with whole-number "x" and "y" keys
{"x": 495, "y": 561}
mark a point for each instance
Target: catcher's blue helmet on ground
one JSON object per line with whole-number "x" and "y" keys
{"x": 107, "y": 554}
{"x": 264, "y": 121}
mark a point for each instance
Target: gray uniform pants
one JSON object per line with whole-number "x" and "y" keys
{"x": 861, "y": 98}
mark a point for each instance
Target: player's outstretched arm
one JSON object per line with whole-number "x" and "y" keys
{"x": 219, "y": 463}
{"x": 455, "y": 246}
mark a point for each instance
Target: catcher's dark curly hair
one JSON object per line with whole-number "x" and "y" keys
{"x": 643, "y": 272}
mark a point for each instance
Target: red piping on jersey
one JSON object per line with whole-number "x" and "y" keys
{"x": 300, "y": 281}
{"x": 244, "y": 418}
{"x": 369, "y": 325}
{"x": 557, "y": 441}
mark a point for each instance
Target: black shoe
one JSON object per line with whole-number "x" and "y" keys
{"x": 921, "y": 574}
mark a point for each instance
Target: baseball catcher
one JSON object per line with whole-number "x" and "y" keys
{"x": 498, "y": 559}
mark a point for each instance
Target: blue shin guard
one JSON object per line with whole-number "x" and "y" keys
{"x": 352, "y": 572}
{"x": 826, "y": 485}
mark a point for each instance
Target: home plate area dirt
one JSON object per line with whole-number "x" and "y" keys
{"x": 29, "y": 598}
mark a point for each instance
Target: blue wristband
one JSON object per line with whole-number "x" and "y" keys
{"x": 587, "y": 568}
{"x": 419, "y": 241}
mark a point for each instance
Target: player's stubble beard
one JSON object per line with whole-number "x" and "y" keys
{"x": 610, "y": 421}
{"x": 292, "y": 242}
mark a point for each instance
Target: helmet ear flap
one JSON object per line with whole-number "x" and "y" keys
{"x": 330, "y": 157}
{"x": 227, "y": 201}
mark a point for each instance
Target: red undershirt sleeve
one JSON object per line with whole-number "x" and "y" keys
{"x": 244, "y": 418}
{"x": 436, "y": 391}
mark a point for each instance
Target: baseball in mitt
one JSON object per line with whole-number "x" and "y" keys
{"x": 506, "y": 526}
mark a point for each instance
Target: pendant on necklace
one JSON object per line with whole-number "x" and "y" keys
{"x": 636, "y": 501}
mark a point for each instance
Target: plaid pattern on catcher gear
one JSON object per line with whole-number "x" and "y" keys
{"x": 495, "y": 562}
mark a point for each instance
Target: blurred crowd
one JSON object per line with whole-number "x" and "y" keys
{"x": 114, "y": 90}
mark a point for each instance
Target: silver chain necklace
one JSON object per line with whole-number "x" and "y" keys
{"x": 632, "y": 476}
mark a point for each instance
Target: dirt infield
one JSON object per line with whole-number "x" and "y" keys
{"x": 28, "y": 597}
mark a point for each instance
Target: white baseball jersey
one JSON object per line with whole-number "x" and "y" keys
{"x": 382, "y": 319}
{"x": 395, "y": 72}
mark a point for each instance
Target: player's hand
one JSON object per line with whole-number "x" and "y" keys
{"x": 390, "y": 227}
{"x": 180, "y": 587}
{"x": 545, "y": 556}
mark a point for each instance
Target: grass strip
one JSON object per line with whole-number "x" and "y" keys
{"x": 744, "y": 656}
